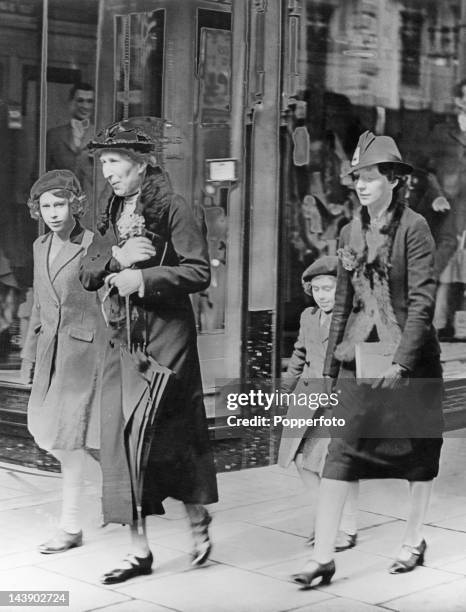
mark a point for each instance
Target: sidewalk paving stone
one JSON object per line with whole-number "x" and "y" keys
{"x": 220, "y": 588}
{"x": 83, "y": 596}
{"x": 449, "y": 597}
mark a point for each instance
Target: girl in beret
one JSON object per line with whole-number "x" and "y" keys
{"x": 62, "y": 344}
{"x": 308, "y": 448}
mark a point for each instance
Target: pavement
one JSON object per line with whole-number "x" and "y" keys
{"x": 259, "y": 529}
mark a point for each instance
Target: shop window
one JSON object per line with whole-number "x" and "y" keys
{"x": 212, "y": 138}
{"x": 384, "y": 66}
{"x": 139, "y": 57}
{"x": 410, "y": 52}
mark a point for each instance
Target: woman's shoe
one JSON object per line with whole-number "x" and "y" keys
{"x": 202, "y": 543}
{"x": 416, "y": 557}
{"x": 345, "y": 541}
{"x": 305, "y": 577}
{"x": 60, "y": 542}
{"x": 137, "y": 566}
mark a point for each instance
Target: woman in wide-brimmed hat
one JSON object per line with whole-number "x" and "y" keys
{"x": 62, "y": 342}
{"x": 151, "y": 248}
{"x": 385, "y": 295}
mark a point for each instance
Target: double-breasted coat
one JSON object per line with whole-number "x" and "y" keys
{"x": 62, "y": 340}
{"x": 305, "y": 371}
{"x": 418, "y": 416}
{"x": 180, "y": 462}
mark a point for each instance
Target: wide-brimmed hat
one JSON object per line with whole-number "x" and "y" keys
{"x": 56, "y": 179}
{"x": 126, "y": 134}
{"x": 372, "y": 149}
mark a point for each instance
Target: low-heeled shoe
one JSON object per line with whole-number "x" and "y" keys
{"x": 139, "y": 566}
{"x": 60, "y": 542}
{"x": 324, "y": 570}
{"x": 416, "y": 557}
{"x": 345, "y": 541}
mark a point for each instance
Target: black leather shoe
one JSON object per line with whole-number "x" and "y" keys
{"x": 60, "y": 542}
{"x": 137, "y": 566}
{"x": 345, "y": 541}
{"x": 202, "y": 543}
{"x": 416, "y": 557}
{"x": 324, "y": 570}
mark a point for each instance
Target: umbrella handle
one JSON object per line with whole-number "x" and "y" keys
{"x": 128, "y": 323}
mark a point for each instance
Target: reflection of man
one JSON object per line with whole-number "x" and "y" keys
{"x": 448, "y": 161}
{"x": 66, "y": 144}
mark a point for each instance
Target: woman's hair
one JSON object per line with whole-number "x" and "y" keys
{"x": 393, "y": 172}
{"x": 137, "y": 156}
{"x": 77, "y": 204}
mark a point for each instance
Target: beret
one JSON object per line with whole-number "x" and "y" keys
{"x": 324, "y": 265}
{"x": 56, "y": 179}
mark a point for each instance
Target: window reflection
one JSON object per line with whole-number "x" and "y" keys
{"x": 20, "y": 37}
{"x": 71, "y": 46}
{"x": 390, "y": 67}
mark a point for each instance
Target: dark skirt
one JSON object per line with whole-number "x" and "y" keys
{"x": 180, "y": 462}
{"x": 388, "y": 434}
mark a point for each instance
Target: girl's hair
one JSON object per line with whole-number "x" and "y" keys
{"x": 77, "y": 204}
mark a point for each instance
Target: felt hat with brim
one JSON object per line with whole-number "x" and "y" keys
{"x": 372, "y": 149}
{"x": 56, "y": 179}
{"x": 326, "y": 265}
{"x": 126, "y": 134}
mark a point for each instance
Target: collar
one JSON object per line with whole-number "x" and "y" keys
{"x": 82, "y": 124}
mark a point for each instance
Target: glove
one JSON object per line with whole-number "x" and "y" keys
{"x": 133, "y": 251}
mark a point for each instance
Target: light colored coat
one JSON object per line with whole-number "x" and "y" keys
{"x": 304, "y": 368}
{"x": 62, "y": 341}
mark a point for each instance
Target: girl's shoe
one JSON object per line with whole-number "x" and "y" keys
{"x": 416, "y": 557}
{"x": 202, "y": 543}
{"x": 324, "y": 570}
{"x": 60, "y": 542}
{"x": 345, "y": 541}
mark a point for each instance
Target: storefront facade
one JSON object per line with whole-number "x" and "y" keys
{"x": 259, "y": 104}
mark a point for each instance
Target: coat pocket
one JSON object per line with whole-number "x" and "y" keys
{"x": 87, "y": 335}
{"x": 38, "y": 328}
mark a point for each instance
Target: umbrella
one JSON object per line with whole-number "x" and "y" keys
{"x": 145, "y": 385}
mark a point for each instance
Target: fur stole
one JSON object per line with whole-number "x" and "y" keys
{"x": 373, "y": 309}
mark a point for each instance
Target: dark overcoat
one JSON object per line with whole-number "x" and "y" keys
{"x": 62, "y": 340}
{"x": 180, "y": 462}
{"x": 412, "y": 291}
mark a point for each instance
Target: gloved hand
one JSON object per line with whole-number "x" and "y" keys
{"x": 133, "y": 251}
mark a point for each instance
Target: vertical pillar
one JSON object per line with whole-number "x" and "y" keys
{"x": 264, "y": 99}
{"x": 462, "y": 43}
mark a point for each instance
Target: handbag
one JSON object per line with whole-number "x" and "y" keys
{"x": 372, "y": 360}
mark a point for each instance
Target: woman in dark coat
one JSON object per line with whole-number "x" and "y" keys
{"x": 385, "y": 293}
{"x": 158, "y": 273}
{"x": 62, "y": 342}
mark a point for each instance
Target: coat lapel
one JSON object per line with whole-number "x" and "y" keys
{"x": 42, "y": 264}
{"x": 69, "y": 251}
